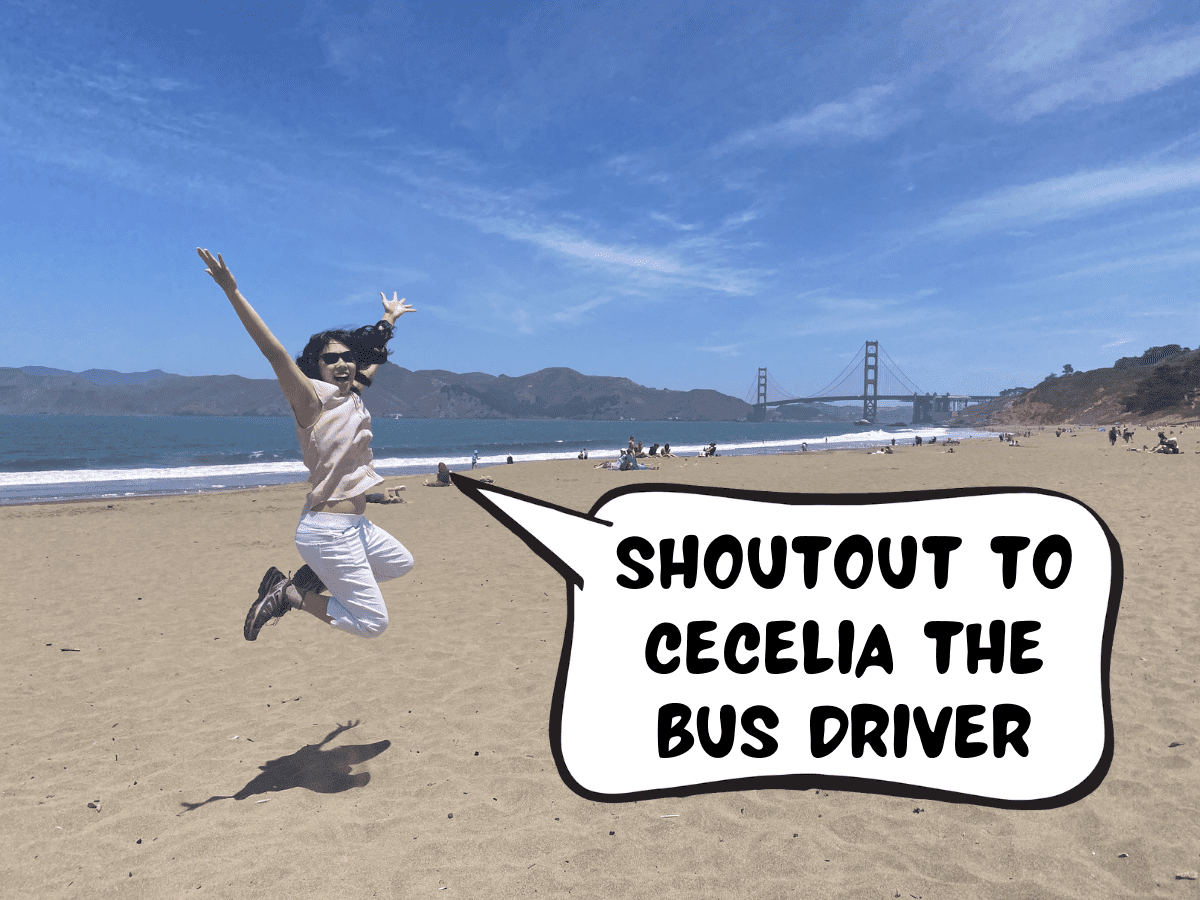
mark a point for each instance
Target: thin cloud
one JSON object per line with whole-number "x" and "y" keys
{"x": 1027, "y": 58}
{"x": 737, "y": 220}
{"x": 515, "y": 215}
{"x": 1040, "y": 36}
{"x": 1068, "y": 197}
{"x": 1119, "y": 77}
{"x": 1155, "y": 262}
{"x": 572, "y": 315}
{"x": 670, "y": 222}
{"x": 730, "y": 350}
{"x": 865, "y": 114}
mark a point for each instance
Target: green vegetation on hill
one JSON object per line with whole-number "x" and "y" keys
{"x": 1150, "y": 357}
{"x": 1167, "y": 386}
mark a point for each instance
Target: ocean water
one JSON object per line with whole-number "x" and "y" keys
{"x": 46, "y": 458}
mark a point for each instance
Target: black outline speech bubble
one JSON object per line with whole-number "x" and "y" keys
{"x": 478, "y": 492}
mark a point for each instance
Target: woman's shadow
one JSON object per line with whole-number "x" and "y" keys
{"x": 323, "y": 771}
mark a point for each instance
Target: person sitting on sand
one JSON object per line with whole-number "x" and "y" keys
{"x": 341, "y": 548}
{"x": 628, "y": 462}
{"x": 391, "y": 495}
{"x": 583, "y": 453}
{"x": 1166, "y": 444}
{"x": 443, "y": 477}
{"x": 654, "y": 449}
{"x": 612, "y": 463}
{"x": 665, "y": 451}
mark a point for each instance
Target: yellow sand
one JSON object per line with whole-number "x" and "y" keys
{"x": 165, "y": 704}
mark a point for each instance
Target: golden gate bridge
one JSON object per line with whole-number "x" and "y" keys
{"x": 893, "y": 384}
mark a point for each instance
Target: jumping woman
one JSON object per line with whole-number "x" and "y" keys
{"x": 344, "y": 553}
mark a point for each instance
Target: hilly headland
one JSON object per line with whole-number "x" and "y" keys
{"x": 1162, "y": 385}
{"x": 555, "y": 393}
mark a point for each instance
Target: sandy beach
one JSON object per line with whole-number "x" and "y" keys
{"x": 131, "y": 698}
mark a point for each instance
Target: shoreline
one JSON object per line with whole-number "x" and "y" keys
{"x": 978, "y": 433}
{"x": 845, "y": 443}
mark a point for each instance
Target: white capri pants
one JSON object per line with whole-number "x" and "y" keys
{"x": 351, "y": 556}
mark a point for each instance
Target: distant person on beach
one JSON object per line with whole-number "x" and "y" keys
{"x": 1166, "y": 444}
{"x": 475, "y": 459}
{"x": 391, "y": 495}
{"x": 665, "y": 451}
{"x": 443, "y": 477}
{"x": 627, "y": 462}
{"x": 582, "y": 453}
{"x": 344, "y": 553}
{"x": 510, "y": 462}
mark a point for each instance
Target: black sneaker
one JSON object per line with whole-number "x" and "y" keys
{"x": 271, "y": 603}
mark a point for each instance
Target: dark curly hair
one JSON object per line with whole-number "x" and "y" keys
{"x": 359, "y": 341}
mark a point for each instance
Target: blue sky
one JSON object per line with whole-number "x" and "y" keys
{"x": 677, "y": 193}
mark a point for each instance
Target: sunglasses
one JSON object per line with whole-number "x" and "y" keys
{"x": 332, "y": 358}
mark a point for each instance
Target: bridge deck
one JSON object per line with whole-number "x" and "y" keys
{"x": 861, "y": 397}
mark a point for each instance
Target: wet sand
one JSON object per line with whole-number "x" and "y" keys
{"x": 129, "y": 686}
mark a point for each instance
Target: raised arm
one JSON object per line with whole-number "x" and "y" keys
{"x": 297, "y": 388}
{"x": 392, "y": 310}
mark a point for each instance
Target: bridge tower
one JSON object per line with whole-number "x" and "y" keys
{"x": 923, "y": 409}
{"x": 871, "y": 381}
{"x": 760, "y": 406}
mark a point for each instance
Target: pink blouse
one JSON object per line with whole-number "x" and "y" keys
{"x": 337, "y": 447}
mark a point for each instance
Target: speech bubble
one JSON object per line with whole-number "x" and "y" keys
{"x": 950, "y": 645}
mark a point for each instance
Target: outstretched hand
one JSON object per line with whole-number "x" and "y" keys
{"x": 396, "y": 307}
{"x": 329, "y": 737}
{"x": 218, "y": 270}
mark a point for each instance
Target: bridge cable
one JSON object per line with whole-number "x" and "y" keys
{"x": 782, "y": 391}
{"x": 899, "y": 374}
{"x": 856, "y": 362}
